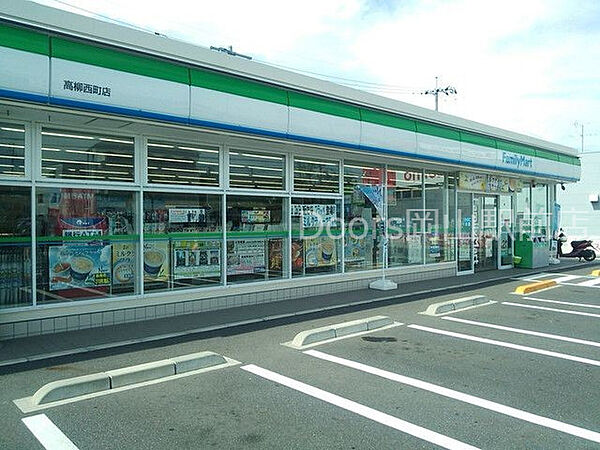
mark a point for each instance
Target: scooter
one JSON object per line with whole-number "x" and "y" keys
{"x": 581, "y": 249}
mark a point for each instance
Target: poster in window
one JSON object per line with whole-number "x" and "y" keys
{"x": 354, "y": 249}
{"x": 196, "y": 259}
{"x": 123, "y": 263}
{"x": 79, "y": 266}
{"x": 275, "y": 255}
{"x": 156, "y": 261}
{"x": 187, "y": 215}
{"x": 246, "y": 257}
{"x": 320, "y": 252}
{"x": 297, "y": 255}
{"x": 256, "y": 216}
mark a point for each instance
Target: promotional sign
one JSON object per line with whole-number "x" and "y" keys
{"x": 82, "y": 226}
{"x": 374, "y": 194}
{"x": 275, "y": 255}
{"x": 256, "y": 216}
{"x": 245, "y": 257}
{"x": 354, "y": 249}
{"x": 79, "y": 266}
{"x": 196, "y": 259}
{"x": 187, "y": 215}
{"x": 472, "y": 181}
{"x": 320, "y": 252}
{"x": 297, "y": 255}
{"x": 313, "y": 215}
{"x": 123, "y": 263}
{"x": 156, "y": 261}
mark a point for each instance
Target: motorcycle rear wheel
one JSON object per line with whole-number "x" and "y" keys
{"x": 589, "y": 255}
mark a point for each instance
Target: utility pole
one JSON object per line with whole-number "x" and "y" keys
{"x": 577, "y": 124}
{"x": 436, "y": 92}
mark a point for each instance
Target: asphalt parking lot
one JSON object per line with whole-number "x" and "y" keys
{"x": 522, "y": 372}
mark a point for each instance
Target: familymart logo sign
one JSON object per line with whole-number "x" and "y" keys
{"x": 514, "y": 159}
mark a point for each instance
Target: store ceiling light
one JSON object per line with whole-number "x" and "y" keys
{"x": 204, "y": 150}
{"x": 74, "y": 136}
{"x": 318, "y": 163}
{"x": 160, "y": 145}
{"x": 11, "y": 157}
{"x": 12, "y": 146}
{"x": 91, "y": 163}
{"x": 185, "y": 161}
{"x": 18, "y": 130}
{"x": 85, "y": 152}
{"x": 254, "y": 155}
{"x": 118, "y": 141}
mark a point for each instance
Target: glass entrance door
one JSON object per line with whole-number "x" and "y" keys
{"x": 506, "y": 231}
{"x": 485, "y": 232}
{"x": 465, "y": 232}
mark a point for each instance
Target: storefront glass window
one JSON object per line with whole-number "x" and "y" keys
{"x": 86, "y": 244}
{"x": 405, "y": 216}
{"x": 523, "y": 212}
{"x": 250, "y": 170}
{"x": 182, "y": 240}
{"x": 316, "y": 236}
{"x": 437, "y": 241}
{"x": 257, "y": 238}
{"x": 15, "y": 247}
{"x": 12, "y": 150}
{"x": 363, "y": 213}
{"x": 86, "y": 156}
{"x": 539, "y": 210}
{"x": 316, "y": 176}
{"x": 170, "y": 163}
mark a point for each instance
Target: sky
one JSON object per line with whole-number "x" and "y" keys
{"x": 530, "y": 66}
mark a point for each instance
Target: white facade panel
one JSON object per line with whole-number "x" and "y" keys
{"x": 118, "y": 89}
{"x": 374, "y": 135}
{"x": 24, "y": 72}
{"x": 231, "y": 109}
{"x": 438, "y": 147}
{"x": 324, "y": 126}
{"x": 478, "y": 154}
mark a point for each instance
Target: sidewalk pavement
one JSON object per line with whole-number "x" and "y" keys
{"x": 21, "y": 351}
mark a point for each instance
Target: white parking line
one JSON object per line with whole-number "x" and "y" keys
{"x": 362, "y": 410}
{"x": 518, "y": 330}
{"x": 565, "y": 311}
{"x": 460, "y": 396}
{"x": 565, "y": 278}
{"x": 524, "y": 348}
{"x": 583, "y": 305}
{"x": 47, "y": 433}
{"x": 594, "y": 282}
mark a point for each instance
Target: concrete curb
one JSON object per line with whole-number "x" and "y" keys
{"x": 446, "y": 307}
{"x": 533, "y": 287}
{"x": 315, "y": 335}
{"x": 112, "y": 379}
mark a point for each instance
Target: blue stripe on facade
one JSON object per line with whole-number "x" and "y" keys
{"x": 221, "y": 126}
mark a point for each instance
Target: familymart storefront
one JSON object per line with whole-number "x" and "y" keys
{"x": 136, "y": 186}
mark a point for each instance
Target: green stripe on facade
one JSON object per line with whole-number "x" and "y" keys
{"x": 388, "y": 120}
{"x": 323, "y": 105}
{"x": 23, "y": 39}
{"x": 116, "y": 60}
{"x": 111, "y": 238}
{"x": 231, "y": 85}
{"x": 477, "y": 139}
{"x": 515, "y": 148}
{"x": 438, "y": 131}
{"x": 183, "y": 236}
{"x": 92, "y": 53}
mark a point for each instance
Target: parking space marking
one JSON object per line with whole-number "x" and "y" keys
{"x": 594, "y": 282}
{"x": 362, "y": 410}
{"x": 544, "y": 308}
{"x": 521, "y": 331}
{"x": 460, "y": 396}
{"x": 524, "y": 348}
{"x": 48, "y": 434}
{"x": 566, "y": 278}
{"x": 559, "y": 302}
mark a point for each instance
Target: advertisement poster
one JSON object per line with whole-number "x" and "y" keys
{"x": 82, "y": 226}
{"x": 245, "y": 257}
{"x": 320, "y": 252}
{"x": 472, "y": 181}
{"x": 187, "y": 215}
{"x": 79, "y": 266}
{"x": 256, "y": 216}
{"x": 123, "y": 263}
{"x": 275, "y": 255}
{"x": 314, "y": 215}
{"x": 354, "y": 250}
{"x": 297, "y": 255}
{"x": 414, "y": 243}
{"x": 156, "y": 261}
{"x": 196, "y": 259}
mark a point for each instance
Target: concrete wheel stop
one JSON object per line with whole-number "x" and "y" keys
{"x": 316, "y": 336}
{"x": 438, "y": 309}
{"x": 70, "y": 389}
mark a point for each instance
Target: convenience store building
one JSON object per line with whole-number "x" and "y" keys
{"x": 142, "y": 177}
